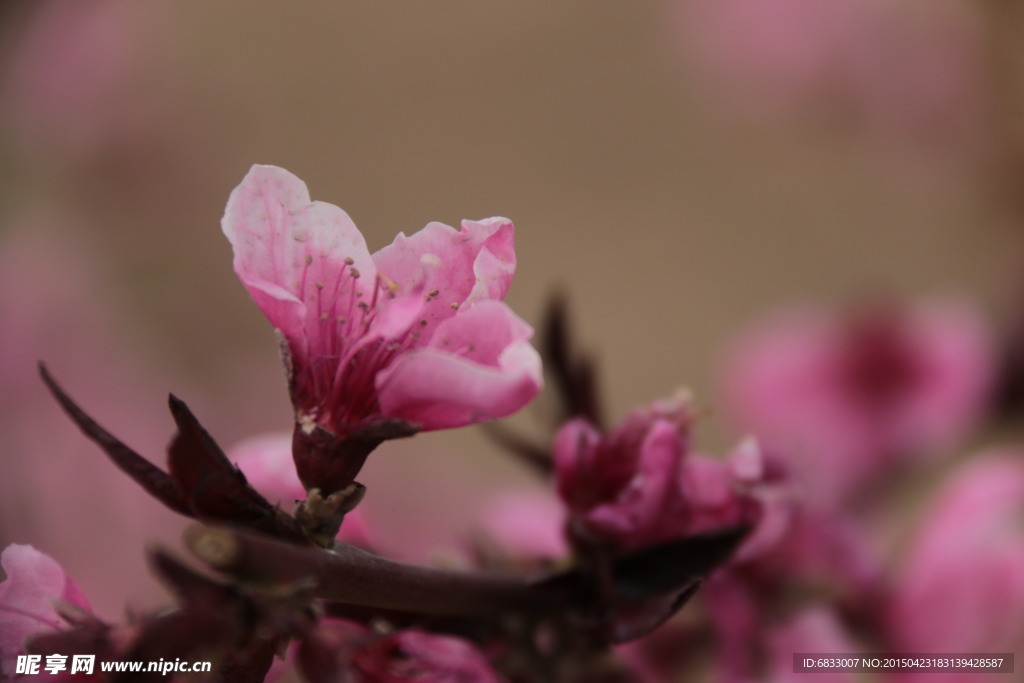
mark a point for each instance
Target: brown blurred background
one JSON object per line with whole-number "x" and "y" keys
{"x": 669, "y": 219}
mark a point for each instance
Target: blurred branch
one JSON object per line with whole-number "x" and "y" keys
{"x": 574, "y": 374}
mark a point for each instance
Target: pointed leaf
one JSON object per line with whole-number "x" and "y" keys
{"x": 154, "y": 480}
{"x": 646, "y": 586}
{"x": 215, "y": 488}
{"x": 670, "y": 566}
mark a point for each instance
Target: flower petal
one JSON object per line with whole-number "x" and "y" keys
{"x": 34, "y": 581}
{"x": 641, "y": 513}
{"x": 454, "y": 267}
{"x": 305, "y": 263}
{"x": 578, "y": 468}
{"x": 479, "y": 366}
{"x": 526, "y": 524}
{"x": 962, "y": 585}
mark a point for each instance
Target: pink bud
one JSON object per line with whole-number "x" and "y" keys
{"x": 638, "y": 485}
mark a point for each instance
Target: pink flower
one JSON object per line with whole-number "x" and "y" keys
{"x": 810, "y": 557}
{"x": 846, "y": 398}
{"x": 91, "y": 515}
{"x": 638, "y": 484}
{"x": 961, "y": 588}
{"x": 816, "y": 629}
{"x": 344, "y": 650}
{"x": 34, "y": 583}
{"x": 420, "y": 656}
{"x": 526, "y": 526}
{"x": 81, "y": 78}
{"x": 415, "y": 333}
{"x": 911, "y": 72}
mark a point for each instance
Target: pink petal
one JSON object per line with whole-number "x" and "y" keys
{"x": 641, "y": 514}
{"x": 576, "y": 450}
{"x": 298, "y": 258}
{"x": 79, "y": 79}
{"x": 266, "y": 462}
{"x": 420, "y": 656}
{"x": 526, "y": 524}
{"x": 479, "y": 366}
{"x": 816, "y": 629}
{"x": 475, "y": 263}
{"x": 34, "y": 581}
{"x": 962, "y": 587}
{"x": 958, "y": 357}
{"x": 805, "y": 383}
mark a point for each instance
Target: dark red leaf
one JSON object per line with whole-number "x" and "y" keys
{"x": 154, "y": 480}
{"x": 214, "y": 488}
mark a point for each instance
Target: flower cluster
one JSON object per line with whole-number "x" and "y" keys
{"x": 413, "y": 337}
{"x": 777, "y": 547}
{"x": 843, "y": 403}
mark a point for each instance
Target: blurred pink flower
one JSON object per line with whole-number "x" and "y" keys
{"x": 34, "y": 583}
{"x": 845, "y": 399}
{"x": 816, "y": 630}
{"x": 266, "y": 462}
{"x": 748, "y": 632}
{"x": 415, "y": 332}
{"x": 80, "y": 79}
{"x": 913, "y": 71}
{"x": 798, "y": 556}
{"x": 402, "y": 656}
{"x": 961, "y": 587}
{"x": 639, "y": 485}
{"x": 57, "y": 489}
{"x": 821, "y": 548}
{"x": 420, "y": 656}
{"x": 527, "y": 526}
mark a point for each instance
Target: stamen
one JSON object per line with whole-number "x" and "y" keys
{"x": 376, "y": 288}
{"x": 388, "y": 283}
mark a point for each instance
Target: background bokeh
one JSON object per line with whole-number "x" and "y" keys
{"x": 670, "y": 211}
